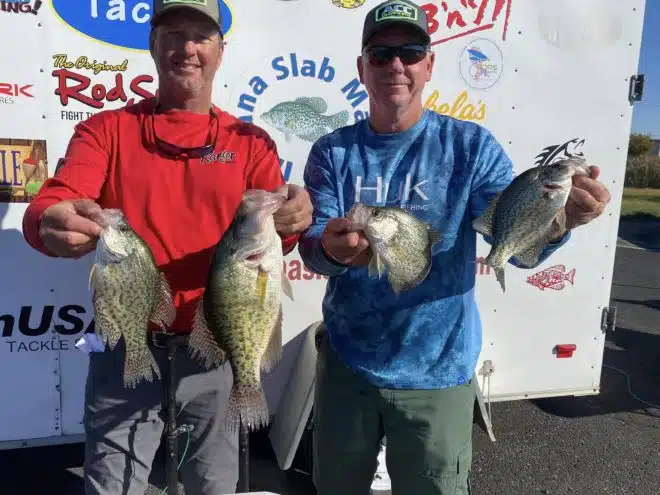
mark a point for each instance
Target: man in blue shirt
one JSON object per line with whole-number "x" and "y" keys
{"x": 402, "y": 367}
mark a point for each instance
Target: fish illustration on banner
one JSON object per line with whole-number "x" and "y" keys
{"x": 304, "y": 118}
{"x": 554, "y": 278}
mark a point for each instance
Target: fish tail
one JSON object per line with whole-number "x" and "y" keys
{"x": 339, "y": 119}
{"x": 140, "y": 364}
{"x": 570, "y": 276}
{"x": 493, "y": 259}
{"x": 247, "y": 405}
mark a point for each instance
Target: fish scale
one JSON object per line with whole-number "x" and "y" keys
{"x": 520, "y": 219}
{"x": 239, "y": 318}
{"x": 129, "y": 293}
{"x": 400, "y": 242}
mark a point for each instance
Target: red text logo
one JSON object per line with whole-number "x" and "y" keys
{"x": 9, "y": 89}
{"x": 72, "y": 83}
{"x": 449, "y": 19}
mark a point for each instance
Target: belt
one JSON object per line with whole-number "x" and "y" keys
{"x": 162, "y": 340}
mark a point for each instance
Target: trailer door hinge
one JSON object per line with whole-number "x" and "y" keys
{"x": 636, "y": 88}
{"x": 608, "y": 319}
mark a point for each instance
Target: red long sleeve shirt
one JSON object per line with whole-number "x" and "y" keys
{"x": 179, "y": 206}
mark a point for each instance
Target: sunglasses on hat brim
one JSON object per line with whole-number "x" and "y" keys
{"x": 409, "y": 54}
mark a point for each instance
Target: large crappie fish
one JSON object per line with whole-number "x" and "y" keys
{"x": 400, "y": 242}
{"x": 520, "y": 218}
{"x": 239, "y": 319}
{"x": 129, "y": 292}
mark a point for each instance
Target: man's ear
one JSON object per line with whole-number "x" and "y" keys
{"x": 359, "y": 67}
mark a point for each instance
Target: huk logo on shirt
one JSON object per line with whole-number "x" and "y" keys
{"x": 223, "y": 156}
{"x": 408, "y": 191}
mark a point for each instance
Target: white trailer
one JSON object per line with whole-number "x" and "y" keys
{"x": 549, "y": 78}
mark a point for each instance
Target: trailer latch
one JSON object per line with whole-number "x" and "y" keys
{"x": 565, "y": 350}
{"x": 608, "y": 319}
{"x": 636, "y": 88}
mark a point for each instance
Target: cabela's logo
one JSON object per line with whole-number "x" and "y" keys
{"x": 461, "y": 108}
{"x": 74, "y": 84}
{"x": 123, "y": 23}
{"x": 282, "y": 98}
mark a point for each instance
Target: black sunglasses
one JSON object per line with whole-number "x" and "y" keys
{"x": 175, "y": 150}
{"x": 409, "y": 54}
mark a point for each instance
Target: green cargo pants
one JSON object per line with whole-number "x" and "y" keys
{"x": 428, "y": 434}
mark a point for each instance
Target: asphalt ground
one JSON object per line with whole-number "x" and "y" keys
{"x": 594, "y": 445}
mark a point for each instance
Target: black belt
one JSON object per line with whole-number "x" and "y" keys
{"x": 162, "y": 340}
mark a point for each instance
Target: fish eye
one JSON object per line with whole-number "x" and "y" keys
{"x": 376, "y": 213}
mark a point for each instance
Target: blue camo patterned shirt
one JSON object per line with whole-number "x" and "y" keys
{"x": 444, "y": 171}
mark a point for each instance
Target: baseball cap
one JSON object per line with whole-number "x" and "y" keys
{"x": 393, "y": 12}
{"x": 208, "y": 7}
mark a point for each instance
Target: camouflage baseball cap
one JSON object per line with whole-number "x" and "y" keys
{"x": 395, "y": 12}
{"x": 208, "y": 7}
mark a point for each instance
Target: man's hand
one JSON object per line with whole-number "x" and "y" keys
{"x": 586, "y": 202}
{"x": 70, "y": 229}
{"x": 294, "y": 216}
{"x": 343, "y": 245}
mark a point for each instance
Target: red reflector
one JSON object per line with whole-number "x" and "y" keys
{"x": 565, "y": 350}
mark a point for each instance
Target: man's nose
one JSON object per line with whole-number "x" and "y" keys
{"x": 396, "y": 65}
{"x": 189, "y": 46}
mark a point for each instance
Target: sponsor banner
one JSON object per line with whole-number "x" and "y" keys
{"x": 15, "y": 92}
{"x": 20, "y": 7}
{"x": 450, "y": 20}
{"x": 44, "y": 329}
{"x": 122, "y": 24}
{"x": 297, "y": 97}
{"x": 85, "y": 85}
{"x": 462, "y": 106}
{"x": 23, "y": 169}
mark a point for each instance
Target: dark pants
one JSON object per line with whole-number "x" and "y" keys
{"x": 429, "y": 434}
{"x": 124, "y": 426}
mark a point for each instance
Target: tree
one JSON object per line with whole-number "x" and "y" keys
{"x": 640, "y": 144}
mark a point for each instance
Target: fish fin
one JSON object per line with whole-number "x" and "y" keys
{"x": 139, "y": 365}
{"x": 317, "y": 103}
{"x": 434, "y": 236}
{"x": 499, "y": 274}
{"x": 286, "y": 285}
{"x": 164, "y": 312}
{"x": 273, "y": 352}
{"x": 92, "y": 277}
{"x": 247, "y": 405}
{"x": 337, "y": 120}
{"x": 530, "y": 256}
{"x": 376, "y": 266}
{"x": 288, "y": 137}
{"x": 484, "y": 222}
{"x": 201, "y": 343}
{"x": 494, "y": 261}
{"x": 313, "y": 135}
{"x": 262, "y": 285}
{"x": 570, "y": 276}
{"x": 560, "y": 218}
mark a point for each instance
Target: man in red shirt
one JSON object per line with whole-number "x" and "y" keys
{"x": 177, "y": 166}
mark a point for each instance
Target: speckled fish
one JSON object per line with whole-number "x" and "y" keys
{"x": 400, "y": 242}
{"x": 129, "y": 292}
{"x": 520, "y": 218}
{"x": 239, "y": 319}
{"x": 304, "y": 117}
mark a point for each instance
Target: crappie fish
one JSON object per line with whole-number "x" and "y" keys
{"x": 239, "y": 318}
{"x": 400, "y": 242}
{"x": 129, "y": 292}
{"x": 520, "y": 218}
{"x": 303, "y": 117}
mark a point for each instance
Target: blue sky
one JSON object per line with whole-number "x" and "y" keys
{"x": 646, "y": 113}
